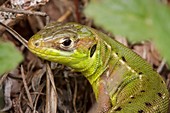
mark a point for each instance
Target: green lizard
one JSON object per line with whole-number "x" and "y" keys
{"x": 122, "y": 81}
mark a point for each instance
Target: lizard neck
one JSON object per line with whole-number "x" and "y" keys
{"x": 99, "y": 65}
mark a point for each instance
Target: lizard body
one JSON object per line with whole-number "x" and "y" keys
{"x": 128, "y": 83}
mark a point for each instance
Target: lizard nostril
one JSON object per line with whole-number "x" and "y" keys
{"x": 37, "y": 43}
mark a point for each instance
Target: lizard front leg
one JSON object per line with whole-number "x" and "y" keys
{"x": 103, "y": 103}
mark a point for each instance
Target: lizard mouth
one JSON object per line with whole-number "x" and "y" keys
{"x": 40, "y": 51}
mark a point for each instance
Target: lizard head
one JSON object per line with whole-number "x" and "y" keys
{"x": 71, "y": 44}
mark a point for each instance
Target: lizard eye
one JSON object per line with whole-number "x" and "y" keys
{"x": 66, "y": 43}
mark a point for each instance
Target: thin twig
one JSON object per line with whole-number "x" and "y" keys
{"x": 38, "y": 95}
{"x": 15, "y": 34}
{"x": 63, "y": 17}
{"x": 47, "y": 106}
{"x": 26, "y": 87}
{"x": 28, "y": 12}
{"x": 53, "y": 92}
{"x": 159, "y": 69}
{"x": 51, "y": 77}
{"x": 74, "y": 96}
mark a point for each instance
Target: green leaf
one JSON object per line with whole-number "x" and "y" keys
{"x": 136, "y": 19}
{"x": 10, "y": 57}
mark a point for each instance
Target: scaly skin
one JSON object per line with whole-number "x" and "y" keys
{"x": 122, "y": 81}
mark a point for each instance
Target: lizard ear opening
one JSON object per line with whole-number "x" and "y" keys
{"x": 93, "y": 49}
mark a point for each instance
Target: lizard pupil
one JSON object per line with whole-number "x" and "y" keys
{"x": 67, "y": 42}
